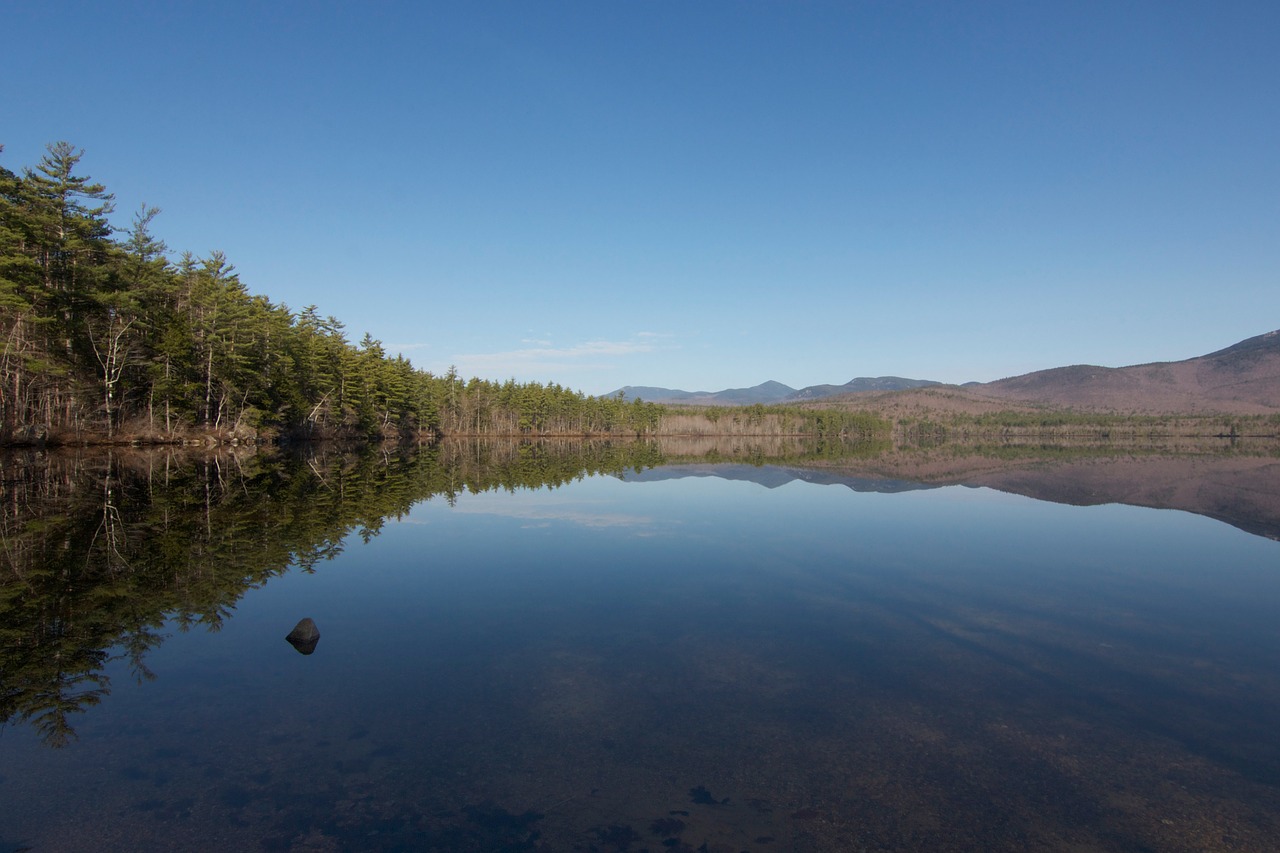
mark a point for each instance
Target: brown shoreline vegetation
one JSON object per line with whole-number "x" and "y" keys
{"x": 854, "y": 419}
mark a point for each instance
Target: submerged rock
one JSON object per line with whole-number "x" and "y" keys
{"x": 304, "y": 636}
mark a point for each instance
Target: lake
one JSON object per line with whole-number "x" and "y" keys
{"x": 593, "y": 649}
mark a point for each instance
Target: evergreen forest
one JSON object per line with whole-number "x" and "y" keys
{"x": 104, "y": 338}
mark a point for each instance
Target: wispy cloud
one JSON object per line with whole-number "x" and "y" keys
{"x": 545, "y": 358}
{"x": 543, "y": 516}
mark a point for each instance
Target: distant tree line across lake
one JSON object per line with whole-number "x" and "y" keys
{"x": 104, "y": 338}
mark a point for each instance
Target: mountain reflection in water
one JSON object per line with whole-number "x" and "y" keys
{"x": 1239, "y": 488}
{"x": 520, "y": 655}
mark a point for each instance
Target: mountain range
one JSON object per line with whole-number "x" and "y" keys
{"x": 1243, "y": 378}
{"x": 767, "y": 392}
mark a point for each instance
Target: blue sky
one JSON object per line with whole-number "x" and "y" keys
{"x": 695, "y": 194}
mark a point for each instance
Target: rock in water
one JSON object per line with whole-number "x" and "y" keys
{"x": 304, "y": 636}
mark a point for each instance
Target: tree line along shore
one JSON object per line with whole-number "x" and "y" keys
{"x": 104, "y": 339}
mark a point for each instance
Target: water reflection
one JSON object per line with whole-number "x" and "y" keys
{"x": 104, "y": 549}
{"x": 628, "y": 662}
{"x": 1232, "y": 481}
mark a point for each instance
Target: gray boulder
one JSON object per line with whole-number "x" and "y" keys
{"x": 304, "y": 636}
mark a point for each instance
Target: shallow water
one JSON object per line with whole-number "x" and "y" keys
{"x": 635, "y": 663}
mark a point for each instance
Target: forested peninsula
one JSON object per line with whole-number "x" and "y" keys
{"x": 105, "y": 339}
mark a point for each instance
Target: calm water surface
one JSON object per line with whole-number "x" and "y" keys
{"x": 696, "y": 663}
